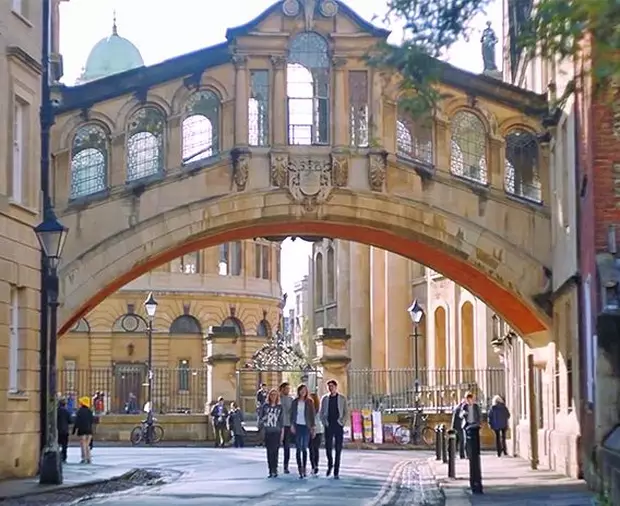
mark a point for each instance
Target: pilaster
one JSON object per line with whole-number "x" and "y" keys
{"x": 242, "y": 94}
{"x": 343, "y": 275}
{"x": 340, "y": 123}
{"x": 397, "y": 320}
{"x": 359, "y": 302}
{"x": 333, "y": 355}
{"x": 376, "y": 109}
{"x": 279, "y": 117}
{"x": 377, "y": 308}
{"x": 221, "y": 354}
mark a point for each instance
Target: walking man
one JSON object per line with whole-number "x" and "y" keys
{"x": 286, "y": 402}
{"x": 64, "y": 421}
{"x": 219, "y": 415}
{"x": 457, "y": 426}
{"x": 334, "y": 414}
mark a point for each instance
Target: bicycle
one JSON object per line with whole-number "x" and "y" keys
{"x": 141, "y": 433}
{"x": 416, "y": 431}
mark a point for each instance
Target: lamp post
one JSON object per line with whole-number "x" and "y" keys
{"x": 51, "y": 235}
{"x": 150, "y": 306}
{"x": 416, "y": 314}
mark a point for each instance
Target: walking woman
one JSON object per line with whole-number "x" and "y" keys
{"x": 303, "y": 417}
{"x": 315, "y": 442}
{"x": 498, "y": 420}
{"x": 83, "y": 426}
{"x": 271, "y": 422}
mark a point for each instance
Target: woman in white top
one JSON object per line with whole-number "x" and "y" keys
{"x": 315, "y": 442}
{"x": 303, "y": 417}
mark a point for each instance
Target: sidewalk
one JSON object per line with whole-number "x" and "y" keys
{"x": 510, "y": 482}
{"x": 75, "y": 475}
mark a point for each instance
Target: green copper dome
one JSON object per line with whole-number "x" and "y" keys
{"x": 109, "y": 56}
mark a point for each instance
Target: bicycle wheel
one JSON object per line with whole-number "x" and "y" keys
{"x": 402, "y": 435}
{"x": 157, "y": 435}
{"x": 428, "y": 436}
{"x": 136, "y": 435}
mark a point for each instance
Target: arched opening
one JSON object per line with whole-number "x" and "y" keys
{"x": 318, "y": 279}
{"x": 263, "y": 329}
{"x": 200, "y": 128}
{"x": 235, "y": 323}
{"x": 185, "y": 324}
{"x": 467, "y": 345}
{"x": 441, "y": 345}
{"x": 331, "y": 275}
{"x": 145, "y": 143}
{"x": 521, "y": 172}
{"x": 89, "y": 161}
{"x": 468, "y": 158}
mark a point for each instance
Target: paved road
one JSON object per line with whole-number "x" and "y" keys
{"x": 222, "y": 477}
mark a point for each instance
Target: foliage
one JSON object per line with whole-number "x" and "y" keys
{"x": 559, "y": 28}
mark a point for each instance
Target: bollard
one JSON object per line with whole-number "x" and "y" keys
{"x": 437, "y": 442}
{"x": 475, "y": 468}
{"x": 451, "y": 453}
{"x": 444, "y": 443}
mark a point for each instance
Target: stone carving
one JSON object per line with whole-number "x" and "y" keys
{"x": 239, "y": 60}
{"x": 329, "y": 8}
{"x": 309, "y": 8}
{"x": 279, "y": 169}
{"x": 278, "y": 62}
{"x": 241, "y": 168}
{"x": 377, "y": 169}
{"x": 291, "y": 8}
{"x": 340, "y": 170}
{"x": 489, "y": 41}
{"x": 310, "y": 182}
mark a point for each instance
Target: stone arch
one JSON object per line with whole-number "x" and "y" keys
{"x": 185, "y": 324}
{"x": 501, "y": 273}
{"x": 467, "y": 344}
{"x": 129, "y": 108}
{"x": 130, "y": 322}
{"x": 73, "y": 123}
{"x": 263, "y": 329}
{"x": 183, "y": 92}
{"x": 440, "y": 320}
{"x": 516, "y": 122}
{"x": 81, "y": 325}
{"x": 451, "y": 107}
{"x": 236, "y": 323}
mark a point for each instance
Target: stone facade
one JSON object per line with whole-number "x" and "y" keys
{"x": 20, "y": 49}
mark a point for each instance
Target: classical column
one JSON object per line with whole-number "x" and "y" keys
{"x": 242, "y": 95}
{"x": 397, "y": 321}
{"x": 359, "y": 302}
{"x": 377, "y": 308}
{"x": 279, "y": 118}
{"x": 340, "y": 121}
{"x": 343, "y": 273}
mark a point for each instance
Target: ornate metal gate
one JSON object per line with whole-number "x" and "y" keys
{"x": 273, "y": 363}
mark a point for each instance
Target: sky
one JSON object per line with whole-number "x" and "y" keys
{"x": 163, "y": 29}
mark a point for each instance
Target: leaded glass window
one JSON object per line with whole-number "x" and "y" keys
{"x": 308, "y": 89}
{"x": 258, "y": 108}
{"x": 234, "y": 323}
{"x": 414, "y": 138}
{"x": 358, "y": 108}
{"x": 145, "y": 143}
{"x": 200, "y": 127}
{"x": 185, "y": 324}
{"x": 189, "y": 263}
{"x": 263, "y": 329}
{"x": 89, "y": 161}
{"x": 262, "y": 260}
{"x": 231, "y": 259}
{"x": 468, "y": 147}
{"x": 521, "y": 175}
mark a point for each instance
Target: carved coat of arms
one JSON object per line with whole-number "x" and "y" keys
{"x": 310, "y": 181}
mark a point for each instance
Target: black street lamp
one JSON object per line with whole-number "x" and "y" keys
{"x": 416, "y": 314}
{"x": 150, "y": 306}
{"x": 52, "y": 236}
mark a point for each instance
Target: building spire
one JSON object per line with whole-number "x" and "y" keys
{"x": 114, "y": 28}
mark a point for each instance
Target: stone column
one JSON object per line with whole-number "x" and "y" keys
{"x": 279, "y": 119}
{"x": 242, "y": 94}
{"x": 397, "y": 320}
{"x": 333, "y": 356}
{"x": 343, "y": 275}
{"x": 377, "y": 308}
{"x": 359, "y": 302}
{"x": 340, "y": 121}
{"x": 221, "y": 355}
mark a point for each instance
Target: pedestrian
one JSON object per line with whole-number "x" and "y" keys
{"x": 235, "y": 425}
{"x": 334, "y": 415}
{"x": 457, "y": 427}
{"x": 498, "y": 420}
{"x": 315, "y": 442}
{"x": 64, "y": 421}
{"x": 261, "y": 396}
{"x": 302, "y": 426}
{"x": 219, "y": 415}
{"x": 286, "y": 401}
{"x": 471, "y": 416}
{"x": 271, "y": 422}
{"x": 83, "y": 427}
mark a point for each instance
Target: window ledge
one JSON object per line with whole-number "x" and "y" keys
{"x": 22, "y": 18}
{"x": 18, "y": 395}
{"x": 23, "y": 207}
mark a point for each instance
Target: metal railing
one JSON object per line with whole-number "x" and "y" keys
{"x": 440, "y": 389}
{"x": 175, "y": 390}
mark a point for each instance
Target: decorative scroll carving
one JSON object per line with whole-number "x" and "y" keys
{"x": 279, "y": 169}
{"x": 278, "y": 62}
{"x": 310, "y": 182}
{"x": 241, "y": 167}
{"x": 377, "y": 169}
{"x": 340, "y": 170}
{"x": 239, "y": 61}
{"x": 291, "y": 8}
{"x": 327, "y": 8}
{"x": 338, "y": 62}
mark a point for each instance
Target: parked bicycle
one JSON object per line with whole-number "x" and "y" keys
{"x": 149, "y": 433}
{"x": 417, "y": 431}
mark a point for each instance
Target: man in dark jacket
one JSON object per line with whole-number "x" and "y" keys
{"x": 64, "y": 421}
{"x": 458, "y": 428}
{"x": 219, "y": 415}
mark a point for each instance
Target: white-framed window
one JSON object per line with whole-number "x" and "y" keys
{"x": 69, "y": 376}
{"x": 14, "y": 342}
{"x": 17, "y": 6}
{"x": 17, "y": 183}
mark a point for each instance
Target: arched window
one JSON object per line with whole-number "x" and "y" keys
{"x": 89, "y": 161}
{"x": 441, "y": 344}
{"x": 145, "y": 143}
{"x": 318, "y": 279}
{"x": 185, "y": 324}
{"x": 201, "y": 126}
{"x": 414, "y": 139}
{"x": 235, "y": 323}
{"x": 82, "y": 325}
{"x": 331, "y": 275}
{"x": 263, "y": 329}
{"x": 307, "y": 89}
{"x": 130, "y": 323}
{"x": 521, "y": 176}
{"x": 467, "y": 336}
{"x": 258, "y": 108}
{"x": 468, "y": 147}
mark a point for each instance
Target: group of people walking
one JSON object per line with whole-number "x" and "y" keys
{"x": 307, "y": 420}
{"x": 83, "y": 422}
